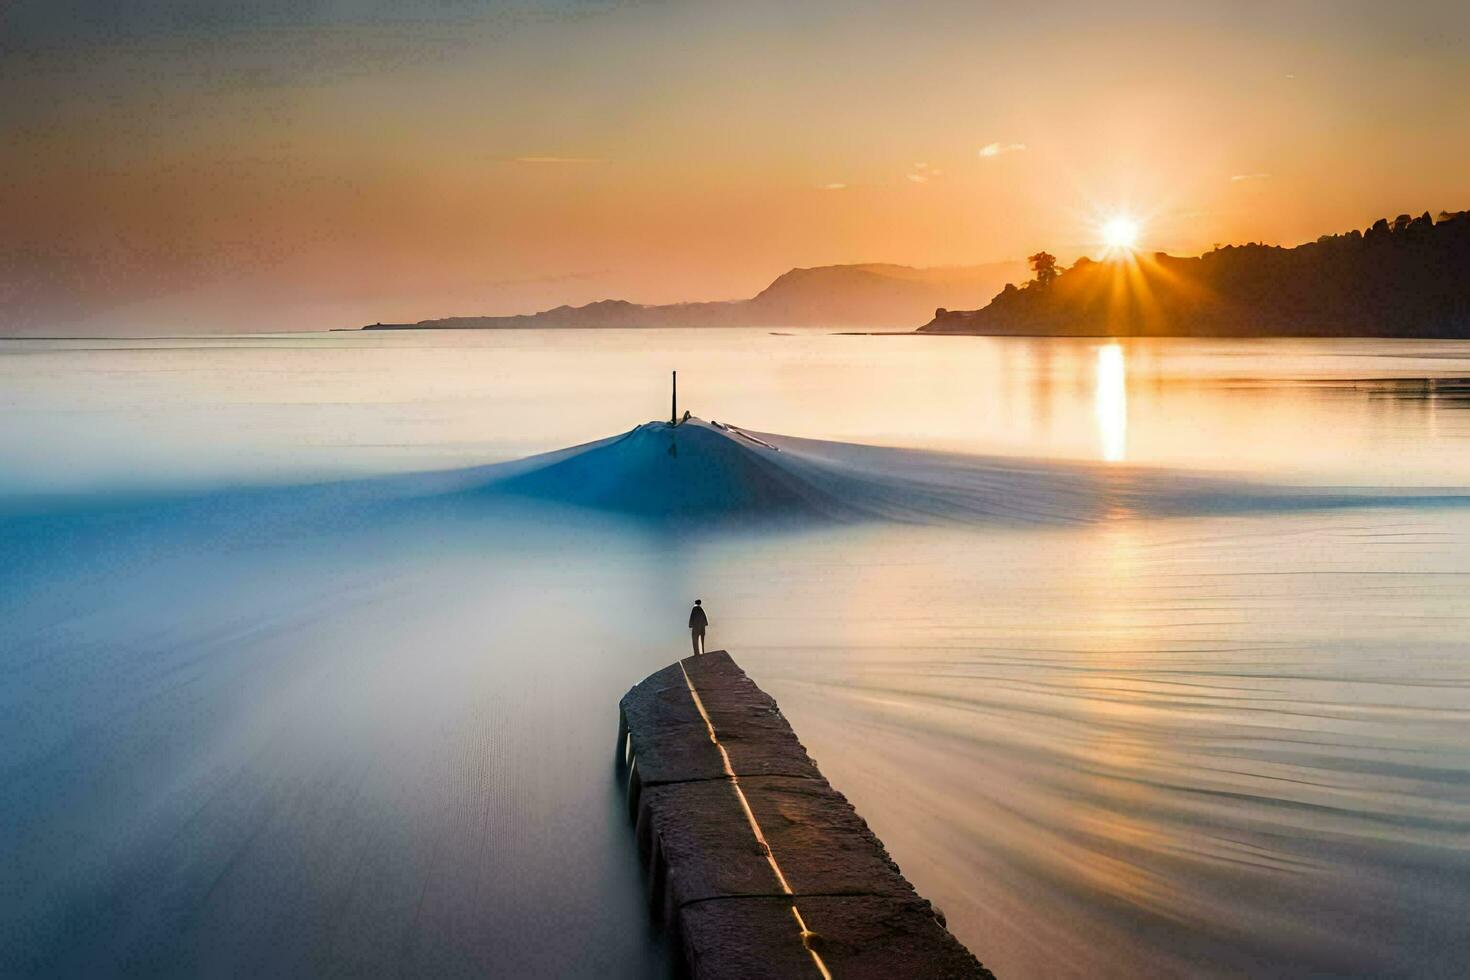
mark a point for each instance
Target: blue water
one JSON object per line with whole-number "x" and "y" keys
{"x": 1140, "y": 658}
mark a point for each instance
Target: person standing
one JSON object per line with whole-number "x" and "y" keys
{"x": 697, "y": 623}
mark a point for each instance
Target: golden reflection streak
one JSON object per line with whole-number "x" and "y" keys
{"x": 1111, "y": 402}
{"x": 1123, "y": 819}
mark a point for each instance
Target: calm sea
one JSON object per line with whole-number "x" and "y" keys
{"x": 297, "y": 731}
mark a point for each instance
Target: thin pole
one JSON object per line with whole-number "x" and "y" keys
{"x": 674, "y": 402}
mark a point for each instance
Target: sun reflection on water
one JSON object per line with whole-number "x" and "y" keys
{"x": 1112, "y": 402}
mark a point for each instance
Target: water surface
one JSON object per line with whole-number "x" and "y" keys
{"x": 321, "y": 730}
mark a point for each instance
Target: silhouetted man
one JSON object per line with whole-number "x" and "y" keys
{"x": 697, "y": 622}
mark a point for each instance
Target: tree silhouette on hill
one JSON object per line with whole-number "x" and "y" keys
{"x": 1044, "y": 268}
{"x": 1409, "y": 277}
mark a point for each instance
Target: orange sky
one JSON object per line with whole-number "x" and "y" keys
{"x": 184, "y": 166}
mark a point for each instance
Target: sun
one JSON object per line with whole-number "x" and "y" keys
{"x": 1120, "y": 233}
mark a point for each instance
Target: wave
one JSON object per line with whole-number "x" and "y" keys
{"x": 716, "y": 472}
{"x": 701, "y": 474}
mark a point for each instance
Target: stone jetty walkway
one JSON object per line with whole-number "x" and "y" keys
{"x": 754, "y": 861}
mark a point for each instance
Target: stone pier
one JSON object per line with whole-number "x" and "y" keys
{"x": 755, "y": 863}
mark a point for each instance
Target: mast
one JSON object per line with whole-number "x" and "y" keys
{"x": 674, "y": 402}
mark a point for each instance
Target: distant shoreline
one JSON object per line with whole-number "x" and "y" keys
{"x": 875, "y": 296}
{"x": 773, "y": 331}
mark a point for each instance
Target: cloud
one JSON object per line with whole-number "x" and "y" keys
{"x": 996, "y": 149}
{"x": 832, "y": 187}
{"x": 549, "y": 159}
{"x": 922, "y": 173}
{"x": 1240, "y": 177}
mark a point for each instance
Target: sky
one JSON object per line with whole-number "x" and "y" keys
{"x": 182, "y": 165}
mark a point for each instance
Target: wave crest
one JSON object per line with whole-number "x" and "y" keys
{"x": 715, "y": 472}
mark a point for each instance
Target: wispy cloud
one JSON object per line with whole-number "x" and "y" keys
{"x": 553, "y": 160}
{"x": 922, "y": 173}
{"x": 832, "y": 187}
{"x": 1240, "y": 177}
{"x": 996, "y": 149}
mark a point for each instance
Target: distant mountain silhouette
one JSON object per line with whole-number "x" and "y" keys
{"x": 864, "y": 296}
{"x": 1405, "y": 278}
